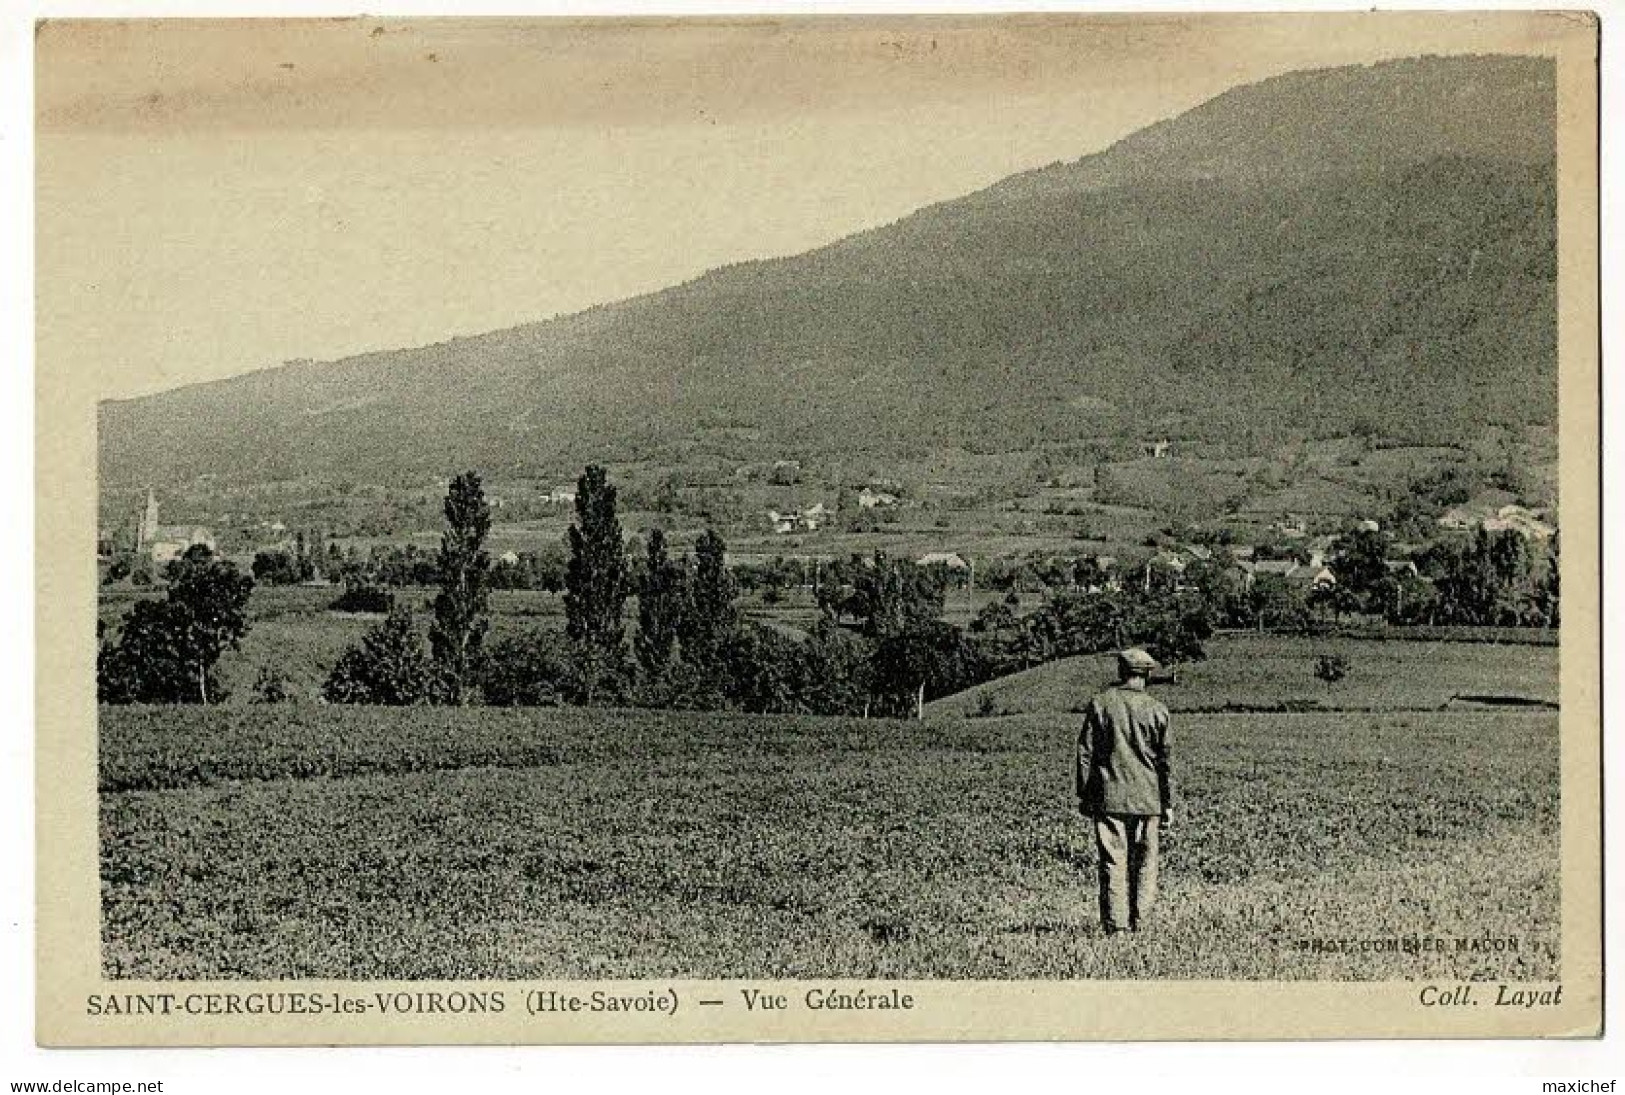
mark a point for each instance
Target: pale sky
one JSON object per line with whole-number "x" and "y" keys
{"x": 217, "y": 197}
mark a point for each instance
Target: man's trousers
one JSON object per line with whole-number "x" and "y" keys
{"x": 1128, "y": 869}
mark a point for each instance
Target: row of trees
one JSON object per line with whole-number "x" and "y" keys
{"x": 1498, "y": 578}
{"x": 880, "y": 646}
{"x": 396, "y": 566}
{"x": 691, "y": 648}
{"x": 1494, "y": 578}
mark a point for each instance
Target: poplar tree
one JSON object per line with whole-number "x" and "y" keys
{"x": 596, "y": 584}
{"x": 661, "y": 603}
{"x": 461, "y": 610}
{"x": 712, "y": 617}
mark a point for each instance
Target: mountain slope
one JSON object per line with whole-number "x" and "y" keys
{"x": 1368, "y": 248}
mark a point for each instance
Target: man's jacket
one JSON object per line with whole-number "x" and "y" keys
{"x": 1123, "y": 755}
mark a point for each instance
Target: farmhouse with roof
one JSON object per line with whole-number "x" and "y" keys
{"x": 810, "y": 519}
{"x": 1525, "y": 522}
{"x": 1315, "y": 575}
{"x": 869, "y": 498}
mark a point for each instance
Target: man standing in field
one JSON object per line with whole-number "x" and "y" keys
{"x": 1125, "y": 787}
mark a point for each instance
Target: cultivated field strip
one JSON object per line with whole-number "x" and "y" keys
{"x": 576, "y": 843}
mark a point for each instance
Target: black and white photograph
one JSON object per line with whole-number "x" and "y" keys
{"x": 822, "y": 508}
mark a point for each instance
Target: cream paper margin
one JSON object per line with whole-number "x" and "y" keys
{"x": 68, "y": 898}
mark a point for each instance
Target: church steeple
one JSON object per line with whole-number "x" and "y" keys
{"x": 148, "y": 531}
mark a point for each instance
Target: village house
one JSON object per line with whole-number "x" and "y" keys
{"x": 1172, "y": 564}
{"x": 1168, "y": 560}
{"x": 949, "y": 559}
{"x": 1525, "y": 522}
{"x": 1314, "y": 575}
{"x": 1292, "y": 527}
{"x": 810, "y": 519}
{"x": 561, "y": 496}
{"x": 872, "y": 499}
{"x": 1108, "y": 565}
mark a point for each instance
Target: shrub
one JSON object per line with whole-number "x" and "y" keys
{"x": 389, "y": 666}
{"x": 531, "y": 670}
{"x": 277, "y": 568}
{"x": 363, "y": 595}
{"x": 1331, "y": 668}
{"x": 271, "y": 687}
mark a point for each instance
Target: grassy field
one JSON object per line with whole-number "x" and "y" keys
{"x": 1244, "y": 671}
{"x": 360, "y": 843}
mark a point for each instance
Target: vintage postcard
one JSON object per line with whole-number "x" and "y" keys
{"x": 805, "y": 529}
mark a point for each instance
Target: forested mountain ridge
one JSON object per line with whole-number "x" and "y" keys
{"x": 1367, "y": 249}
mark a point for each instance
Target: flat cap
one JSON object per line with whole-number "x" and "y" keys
{"x": 1137, "y": 659}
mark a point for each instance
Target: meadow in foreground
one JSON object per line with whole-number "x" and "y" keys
{"x": 436, "y": 843}
{"x": 1273, "y": 672}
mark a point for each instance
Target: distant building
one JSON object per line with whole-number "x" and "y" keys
{"x": 509, "y": 558}
{"x": 872, "y": 499}
{"x": 1524, "y": 522}
{"x": 562, "y": 496}
{"x": 1312, "y": 574}
{"x": 810, "y": 519}
{"x": 1292, "y": 527}
{"x": 1167, "y": 560}
{"x": 162, "y": 543}
{"x": 949, "y": 559}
